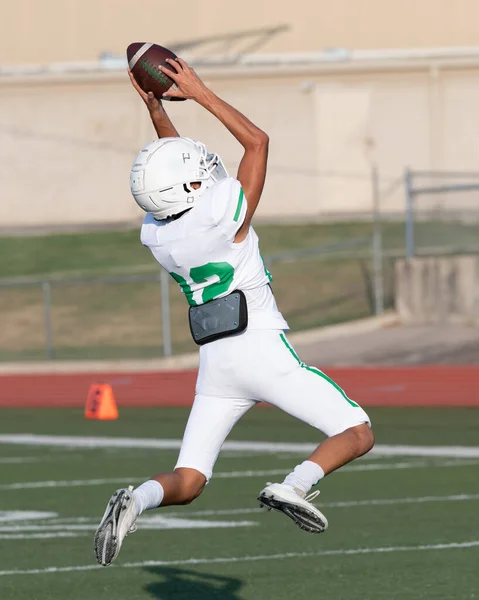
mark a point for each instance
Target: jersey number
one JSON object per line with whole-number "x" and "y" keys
{"x": 222, "y": 270}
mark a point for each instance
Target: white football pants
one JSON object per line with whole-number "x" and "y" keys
{"x": 258, "y": 366}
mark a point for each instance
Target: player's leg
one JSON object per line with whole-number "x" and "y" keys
{"x": 291, "y": 496}
{"x": 335, "y": 452}
{"x": 210, "y": 421}
{"x": 310, "y": 395}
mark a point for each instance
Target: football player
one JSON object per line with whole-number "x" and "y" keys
{"x": 198, "y": 227}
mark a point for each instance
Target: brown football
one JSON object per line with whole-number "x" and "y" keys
{"x": 143, "y": 60}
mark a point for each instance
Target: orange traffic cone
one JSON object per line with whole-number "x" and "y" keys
{"x": 100, "y": 403}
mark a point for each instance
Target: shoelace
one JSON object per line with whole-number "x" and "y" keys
{"x": 312, "y": 496}
{"x": 134, "y": 527}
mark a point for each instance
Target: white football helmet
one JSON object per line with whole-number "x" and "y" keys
{"x": 162, "y": 174}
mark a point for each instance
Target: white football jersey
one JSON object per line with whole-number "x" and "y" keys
{"x": 199, "y": 252}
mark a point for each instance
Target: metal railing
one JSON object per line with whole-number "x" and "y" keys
{"x": 94, "y": 302}
{"x": 447, "y": 188}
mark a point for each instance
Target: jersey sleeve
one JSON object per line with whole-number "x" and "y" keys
{"x": 229, "y": 206}
{"x": 148, "y": 234}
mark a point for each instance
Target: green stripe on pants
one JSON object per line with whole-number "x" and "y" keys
{"x": 316, "y": 371}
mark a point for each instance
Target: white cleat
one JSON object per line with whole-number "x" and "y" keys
{"x": 118, "y": 521}
{"x": 285, "y": 499}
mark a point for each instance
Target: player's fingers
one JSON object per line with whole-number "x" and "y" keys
{"x": 173, "y": 93}
{"x": 151, "y": 99}
{"x": 136, "y": 85}
{"x": 174, "y": 64}
{"x": 132, "y": 78}
{"x": 172, "y": 74}
{"x": 183, "y": 63}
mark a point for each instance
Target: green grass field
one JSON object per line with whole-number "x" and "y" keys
{"x": 95, "y": 320}
{"x": 113, "y": 252}
{"x": 401, "y": 527}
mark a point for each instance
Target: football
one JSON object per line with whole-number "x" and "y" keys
{"x": 143, "y": 60}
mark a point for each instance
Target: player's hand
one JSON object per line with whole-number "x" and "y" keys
{"x": 152, "y": 103}
{"x": 189, "y": 85}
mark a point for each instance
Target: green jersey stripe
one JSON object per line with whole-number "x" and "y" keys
{"x": 238, "y": 208}
{"x": 316, "y": 371}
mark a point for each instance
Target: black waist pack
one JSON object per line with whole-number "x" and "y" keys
{"x": 219, "y": 318}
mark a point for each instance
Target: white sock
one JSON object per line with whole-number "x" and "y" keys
{"x": 148, "y": 495}
{"x": 304, "y": 476}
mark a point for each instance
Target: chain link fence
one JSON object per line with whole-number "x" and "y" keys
{"x": 442, "y": 212}
{"x": 145, "y": 316}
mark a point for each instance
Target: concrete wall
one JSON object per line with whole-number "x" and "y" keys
{"x": 438, "y": 289}
{"x": 67, "y": 142}
{"x": 33, "y": 31}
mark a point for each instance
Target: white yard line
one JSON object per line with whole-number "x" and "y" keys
{"x": 31, "y": 485}
{"x": 395, "y": 501}
{"x": 90, "y": 523}
{"x": 221, "y": 475}
{"x": 342, "y": 504}
{"x": 28, "y": 485}
{"x": 38, "y": 536}
{"x": 10, "y": 516}
{"x": 50, "y": 528}
{"x": 239, "y": 474}
{"x": 427, "y": 451}
{"x": 239, "y": 559}
{"x": 418, "y": 464}
{"x": 27, "y": 439}
{"x": 157, "y": 522}
{"x": 14, "y": 460}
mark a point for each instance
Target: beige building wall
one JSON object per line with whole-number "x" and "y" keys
{"x": 67, "y": 143}
{"x": 34, "y": 31}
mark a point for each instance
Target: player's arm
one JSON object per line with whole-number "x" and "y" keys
{"x": 252, "y": 168}
{"x": 161, "y": 121}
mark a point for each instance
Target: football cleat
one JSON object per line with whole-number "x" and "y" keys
{"x": 285, "y": 499}
{"x": 118, "y": 521}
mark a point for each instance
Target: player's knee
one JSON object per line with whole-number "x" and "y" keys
{"x": 361, "y": 439}
{"x": 192, "y": 484}
{"x": 191, "y": 493}
{"x": 364, "y": 438}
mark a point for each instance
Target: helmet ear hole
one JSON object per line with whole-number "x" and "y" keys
{"x": 192, "y": 186}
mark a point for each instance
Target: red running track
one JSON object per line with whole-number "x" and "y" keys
{"x": 370, "y": 386}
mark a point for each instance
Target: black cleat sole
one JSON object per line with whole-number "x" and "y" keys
{"x": 302, "y": 517}
{"x": 106, "y": 539}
